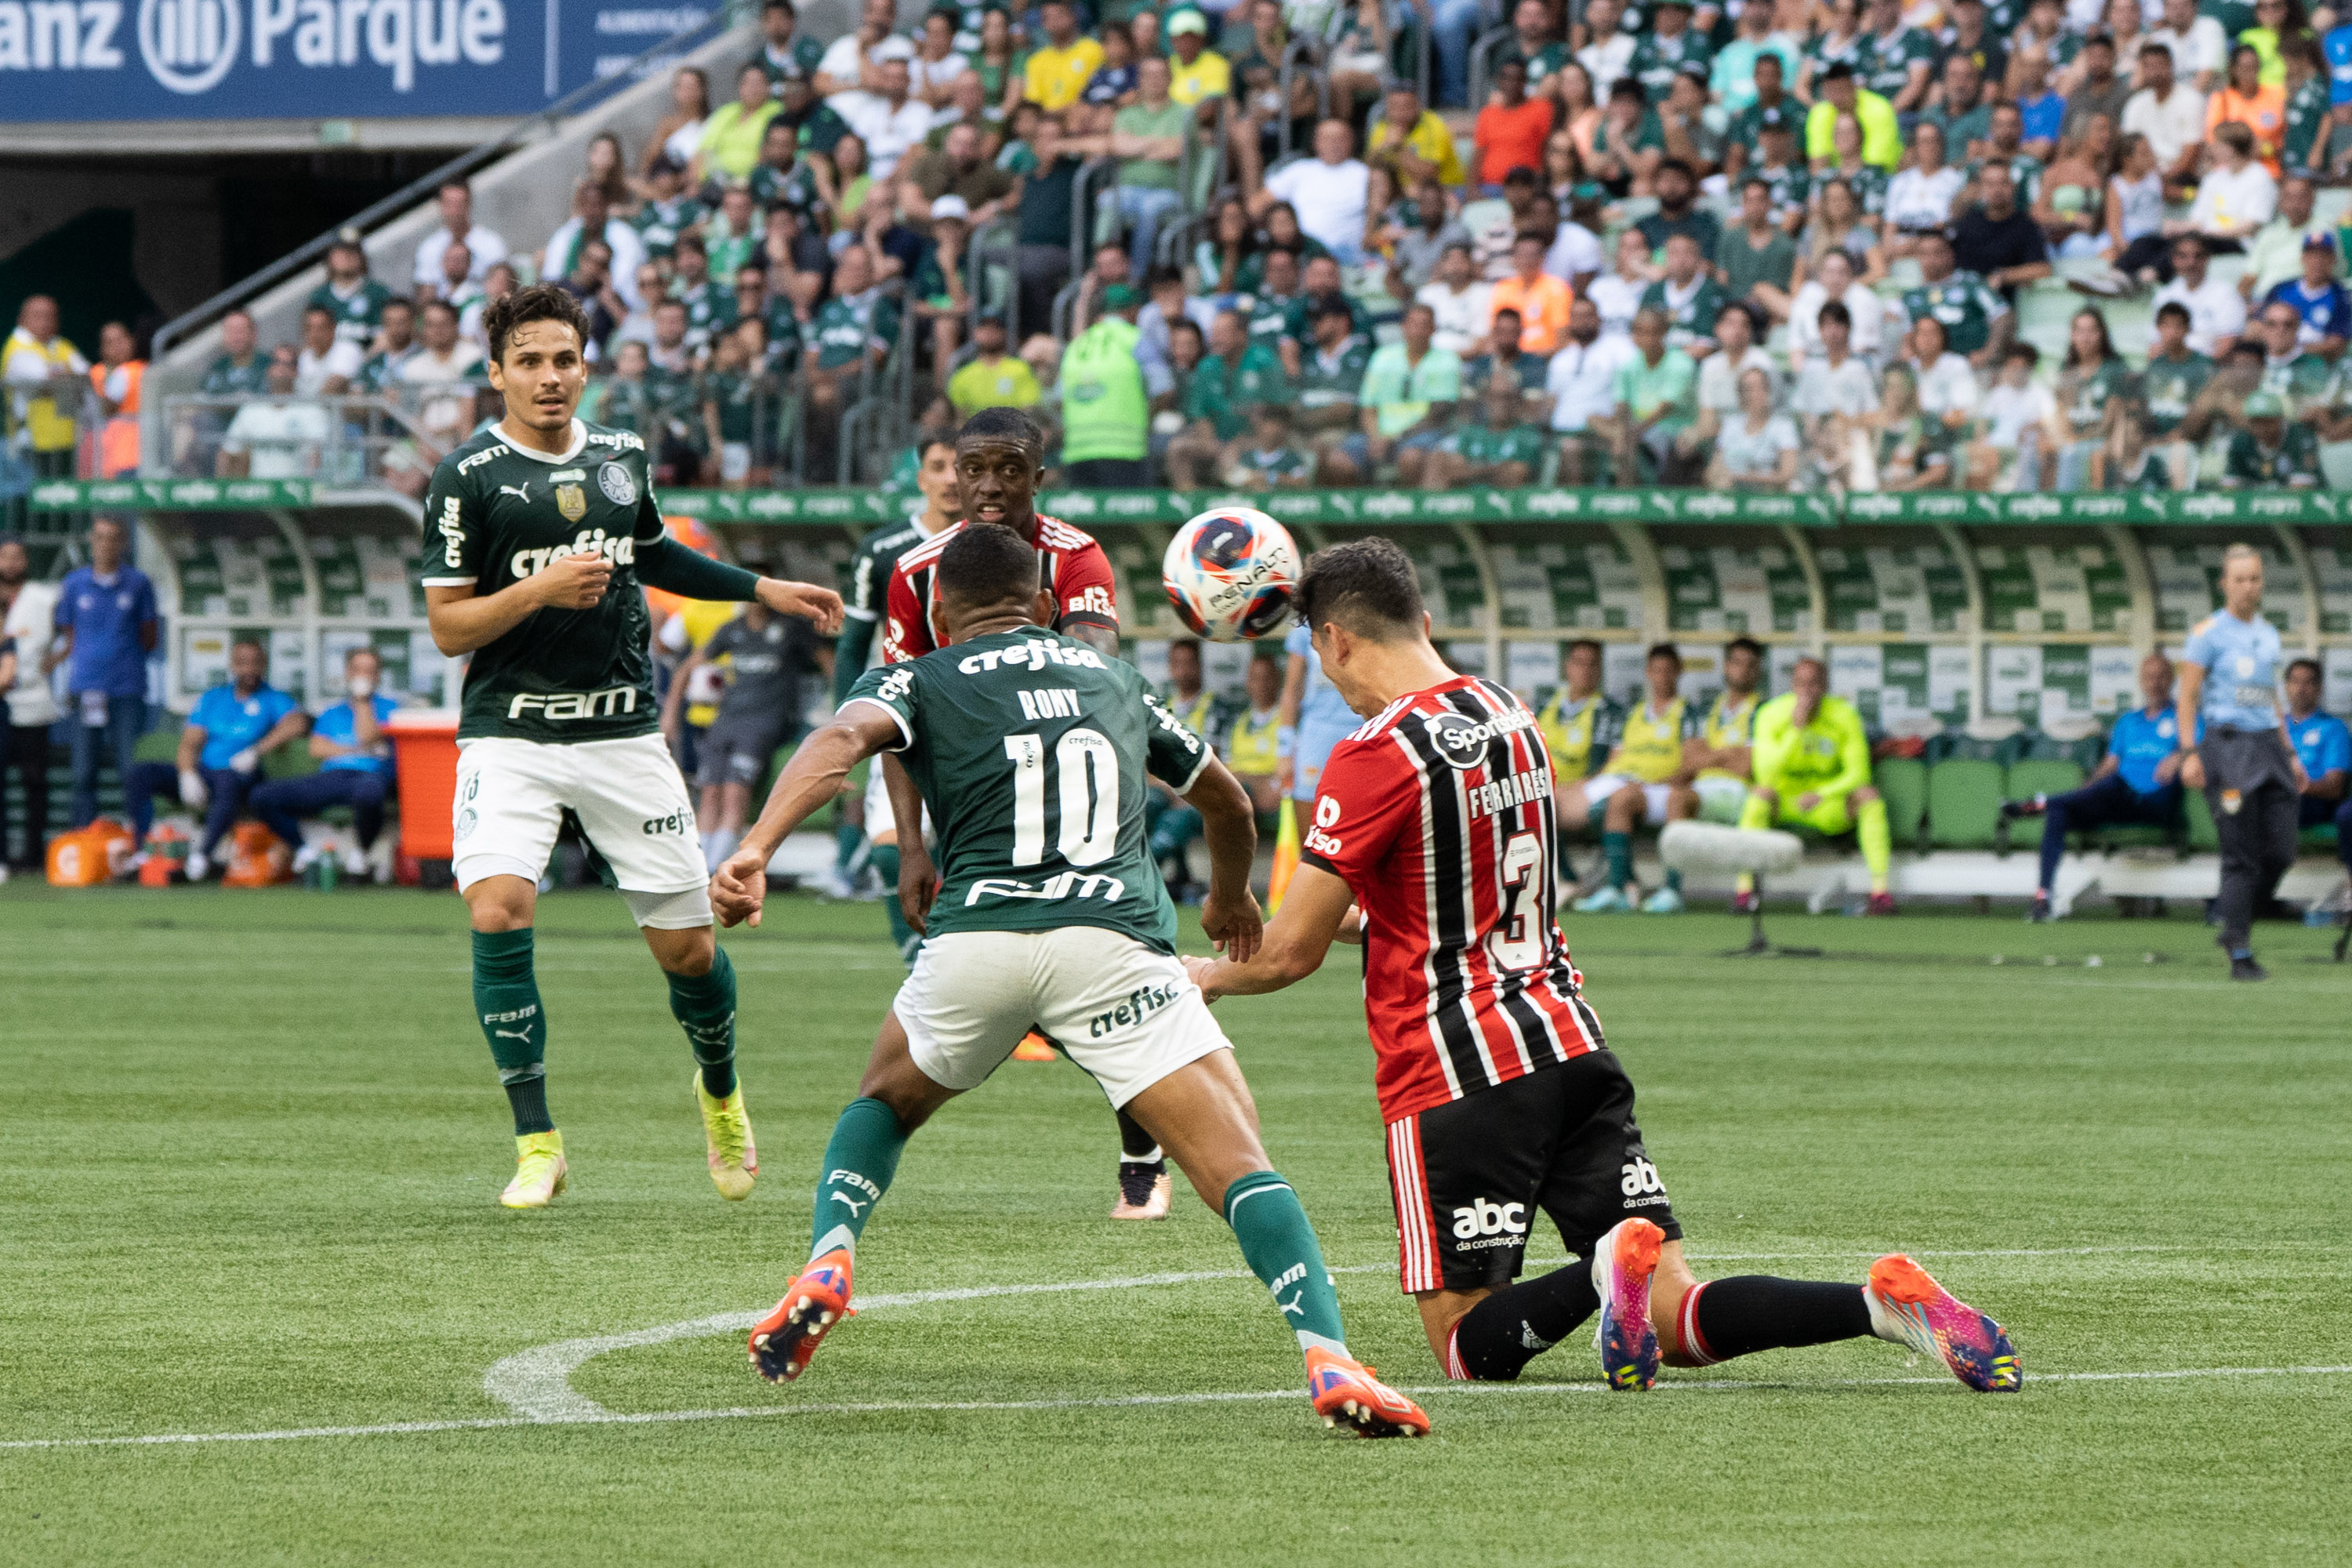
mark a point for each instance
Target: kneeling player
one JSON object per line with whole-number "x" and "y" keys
{"x": 1032, "y": 749}
{"x": 1812, "y": 767}
{"x": 1501, "y": 1099}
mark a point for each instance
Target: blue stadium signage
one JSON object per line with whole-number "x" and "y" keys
{"x": 304, "y": 60}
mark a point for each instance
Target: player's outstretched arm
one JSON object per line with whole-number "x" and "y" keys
{"x": 1295, "y": 944}
{"x": 1228, "y": 914}
{"x": 664, "y": 564}
{"x": 810, "y": 780}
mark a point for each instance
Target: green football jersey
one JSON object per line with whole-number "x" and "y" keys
{"x": 1965, "y": 306}
{"x": 1030, "y": 749}
{"x": 2168, "y": 387}
{"x": 497, "y": 514}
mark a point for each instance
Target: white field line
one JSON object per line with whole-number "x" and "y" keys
{"x": 1123, "y": 1402}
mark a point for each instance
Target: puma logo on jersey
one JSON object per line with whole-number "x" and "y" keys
{"x": 521, "y": 492}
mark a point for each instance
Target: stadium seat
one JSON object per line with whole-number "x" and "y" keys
{"x": 1964, "y": 803}
{"x": 2202, "y": 835}
{"x": 2035, "y": 776}
{"x": 1903, "y": 782}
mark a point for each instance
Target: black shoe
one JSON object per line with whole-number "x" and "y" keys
{"x": 2039, "y": 915}
{"x": 2247, "y": 969}
{"x": 2011, "y": 810}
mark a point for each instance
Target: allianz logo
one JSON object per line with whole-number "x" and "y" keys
{"x": 189, "y": 45}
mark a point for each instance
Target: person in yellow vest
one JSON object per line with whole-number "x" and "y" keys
{"x": 1646, "y": 781}
{"x": 1253, "y": 743}
{"x": 1812, "y": 766}
{"x": 44, "y": 375}
{"x": 116, "y": 379}
{"x": 1581, "y": 724}
{"x": 1718, "y": 753}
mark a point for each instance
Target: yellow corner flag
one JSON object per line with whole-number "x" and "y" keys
{"x": 1285, "y": 856}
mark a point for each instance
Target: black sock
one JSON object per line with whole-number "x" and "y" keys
{"x": 528, "y": 1097}
{"x": 1755, "y": 1313}
{"x": 1512, "y": 1327}
{"x": 1135, "y": 1145}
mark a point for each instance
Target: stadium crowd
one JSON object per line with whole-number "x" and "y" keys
{"x": 1761, "y": 247}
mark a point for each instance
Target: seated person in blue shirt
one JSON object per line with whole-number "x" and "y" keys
{"x": 2325, "y": 744}
{"x": 2137, "y": 783}
{"x": 220, "y": 754}
{"x": 354, "y": 768}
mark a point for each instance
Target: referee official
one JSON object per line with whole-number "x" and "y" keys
{"x": 2244, "y": 760}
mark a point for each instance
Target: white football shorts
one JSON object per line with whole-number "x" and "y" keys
{"x": 1601, "y": 786}
{"x": 1127, "y": 1015}
{"x": 631, "y": 802}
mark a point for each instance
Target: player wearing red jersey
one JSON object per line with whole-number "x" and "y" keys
{"x": 1000, "y": 457}
{"x": 1431, "y": 843}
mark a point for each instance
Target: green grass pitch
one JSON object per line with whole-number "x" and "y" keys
{"x": 249, "y": 1144}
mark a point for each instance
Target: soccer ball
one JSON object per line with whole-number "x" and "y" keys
{"x": 1230, "y": 574}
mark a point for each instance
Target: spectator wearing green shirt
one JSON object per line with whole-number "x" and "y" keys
{"x": 355, "y": 299}
{"x": 1629, "y": 143}
{"x": 1657, "y": 399}
{"x": 1839, "y": 92}
{"x": 395, "y": 340}
{"x": 736, "y": 399}
{"x": 936, "y": 292}
{"x": 1268, "y": 458}
{"x": 990, "y": 378}
{"x": 852, "y": 335}
{"x": 1969, "y": 311}
{"x": 1148, "y": 139}
{"x": 240, "y": 370}
{"x": 1670, "y": 45}
{"x": 710, "y": 303}
{"x": 1320, "y": 287}
{"x": 2269, "y": 453}
{"x": 1502, "y": 362}
{"x": 2169, "y": 389}
{"x": 1331, "y": 382}
{"x": 1269, "y": 311}
{"x": 1896, "y": 58}
{"x": 1238, "y": 372}
{"x": 1407, "y": 403}
{"x": 1504, "y": 447}
{"x": 784, "y": 54}
{"x": 2299, "y": 378}
{"x": 1688, "y": 297}
{"x": 1756, "y": 259}
{"x": 2089, "y": 428}
{"x": 1768, "y": 103}
{"x": 665, "y": 213}
{"x": 1106, "y": 410}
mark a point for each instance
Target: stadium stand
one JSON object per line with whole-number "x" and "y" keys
{"x": 792, "y": 244}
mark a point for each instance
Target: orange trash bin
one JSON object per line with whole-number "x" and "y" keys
{"x": 425, "y": 754}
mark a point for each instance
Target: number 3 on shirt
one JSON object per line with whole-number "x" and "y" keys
{"x": 1089, "y": 816}
{"x": 1516, "y": 941}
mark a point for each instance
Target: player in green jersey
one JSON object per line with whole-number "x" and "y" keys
{"x": 1034, "y": 749}
{"x": 868, "y": 833}
{"x": 538, "y": 533}
{"x": 1811, "y": 763}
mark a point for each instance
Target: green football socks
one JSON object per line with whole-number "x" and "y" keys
{"x": 859, "y": 1162}
{"x": 1878, "y": 842}
{"x": 1617, "y": 848}
{"x": 885, "y": 860}
{"x": 506, "y": 1000}
{"x": 704, "y": 1005}
{"x": 1280, "y": 1247}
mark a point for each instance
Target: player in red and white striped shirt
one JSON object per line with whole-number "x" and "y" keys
{"x": 999, "y": 460}
{"x": 1431, "y": 843}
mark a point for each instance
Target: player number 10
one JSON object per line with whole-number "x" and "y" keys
{"x": 1088, "y": 769}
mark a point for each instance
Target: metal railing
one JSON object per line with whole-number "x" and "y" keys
{"x": 185, "y": 325}
{"x": 1483, "y": 52}
{"x": 391, "y": 439}
{"x": 1311, "y": 51}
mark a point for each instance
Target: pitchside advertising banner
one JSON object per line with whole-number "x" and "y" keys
{"x": 308, "y": 60}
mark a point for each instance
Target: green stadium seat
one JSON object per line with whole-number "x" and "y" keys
{"x": 1903, "y": 782}
{"x": 291, "y": 761}
{"x": 2202, "y": 835}
{"x": 161, "y": 744}
{"x": 1964, "y": 803}
{"x": 2320, "y": 837}
{"x": 2041, "y": 776}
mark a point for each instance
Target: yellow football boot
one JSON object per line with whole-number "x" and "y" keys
{"x": 726, "y": 1130}
{"x": 539, "y": 1170}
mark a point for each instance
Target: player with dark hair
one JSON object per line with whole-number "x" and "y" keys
{"x": 537, "y": 532}
{"x": 873, "y": 835}
{"x": 1000, "y": 459}
{"x": 1432, "y": 845}
{"x": 1034, "y": 749}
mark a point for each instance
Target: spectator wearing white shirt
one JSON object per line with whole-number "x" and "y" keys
{"x": 1834, "y": 394}
{"x": 2170, "y": 113}
{"x": 1757, "y": 446}
{"x": 1459, "y": 297}
{"x": 1619, "y": 295}
{"x": 2275, "y": 253}
{"x": 1609, "y": 55}
{"x": 1581, "y": 382}
{"x": 445, "y": 359}
{"x": 484, "y": 249}
{"x": 277, "y": 437}
{"x": 2235, "y": 197}
{"x": 2199, "y": 50}
{"x": 2012, "y": 416}
{"x": 592, "y": 216}
{"x": 1575, "y": 257}
{"x": 852, "y": 62}
{"x": 1946, "y": 382}
{"x": 2217, "y": 313}
{"x": 1834, "y": 282}
{"x": 1327, "y": 191}
{"x": 889, "y": 121}
{"x": 327, "y": 362}
{"x": 1920, "y": 199}
{"x": 1721, "y": 372}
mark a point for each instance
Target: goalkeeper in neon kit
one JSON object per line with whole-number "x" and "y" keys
{"x": 1812, "y": 766}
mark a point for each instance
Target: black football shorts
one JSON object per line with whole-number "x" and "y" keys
{"x": 1469, "y": 1176}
